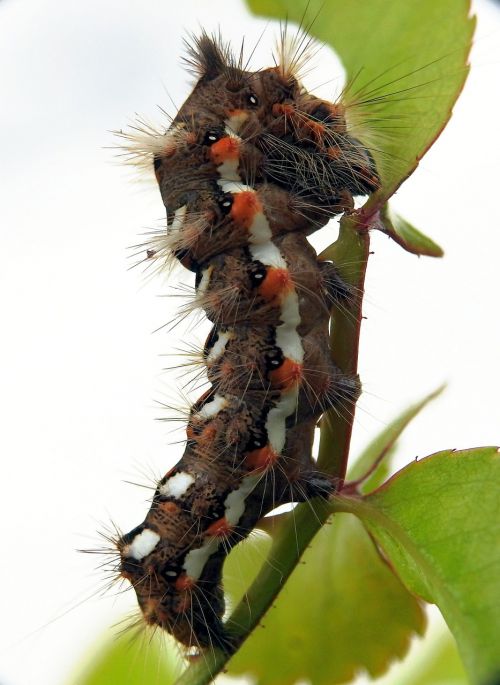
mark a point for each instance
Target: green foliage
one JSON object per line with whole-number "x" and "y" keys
{"x": 407, "y": 235}
{"x": 326, "y": 623}
{"x": 437, "y": 521}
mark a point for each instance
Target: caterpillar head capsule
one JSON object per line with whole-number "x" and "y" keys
{"x": 167, "y": 596}
{"x": 253, "y": 127}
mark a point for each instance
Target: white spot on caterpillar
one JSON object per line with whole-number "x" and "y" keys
{"x": 219, "y": 346}
{"x": 195, "y": 560}
{"x": 142, "y": 545}
{"x": 275, "y": 423}
{"x": 235, "y": 122}
{"x": 268, "y": 254}
{"x": 233, "y": 187}
{"x": 290, "y": 313}
{"x": 177, "y": 486}
{"x": 231, "y": 132}
{"x": 179, "y": 216}
{"x": 228, "y": 170}
{"x": 205, "y": 280}
{"x": 235, "y": 502}
{"x": 212, "y": 408}
{"x": 260, "y": 231}
{"x": 289, "y": 342}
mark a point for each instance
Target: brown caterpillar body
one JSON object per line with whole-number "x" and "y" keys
{"x": 251, "y": 165}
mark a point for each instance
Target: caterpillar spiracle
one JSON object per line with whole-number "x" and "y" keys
{"x": 251, "y": 165}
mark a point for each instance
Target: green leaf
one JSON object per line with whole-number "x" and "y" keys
{"x": 406, "y": 62}
{"x": 407, "y": 235}
{"x": 377, "y": 453}
{"x": 438, "y": 522}
{"x": 133, "y": 660}
{"x": 310, "y": 633}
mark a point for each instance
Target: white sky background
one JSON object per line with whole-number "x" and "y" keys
{"x": 82, "y": 368}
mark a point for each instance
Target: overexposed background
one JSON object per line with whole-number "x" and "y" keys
{"x": 82, "y": 372}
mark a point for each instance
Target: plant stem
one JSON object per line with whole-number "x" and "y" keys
{"x": 350, "y": 254}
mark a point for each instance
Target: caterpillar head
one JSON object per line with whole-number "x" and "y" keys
{"x": 168, "y": 598}
{"x": 227, "y": 92}
{"x": 258, "y": 126}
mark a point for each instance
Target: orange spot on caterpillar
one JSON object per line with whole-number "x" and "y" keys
{"x": 276, "y": 282}
{"x": 261, "y": 459}
{"x": 244, "y": 208}
{"x": 286, "y": 375}
{"x": 280, "y": 109}
{"x": 225, "y": 149}
{"x": 226, "y": 369}
{"x": 316, "y": 128}
{"x": 333, "y": 152}
{"x": 207, "y": 436}
{"x": 169, "y": 507}
{"x": 184, "y": 582}
{"x": 237, "y": 113}
{"x": 219, "y": 528}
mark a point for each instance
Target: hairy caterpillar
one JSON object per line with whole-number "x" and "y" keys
{"x": 251, "y": 165}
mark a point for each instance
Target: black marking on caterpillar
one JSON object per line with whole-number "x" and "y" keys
{"x": 250, "y": 166}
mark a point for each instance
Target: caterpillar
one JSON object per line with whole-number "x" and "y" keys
{"x": 250, "y": 166}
